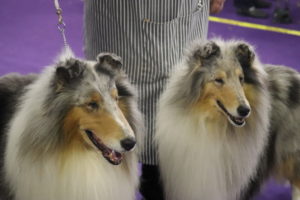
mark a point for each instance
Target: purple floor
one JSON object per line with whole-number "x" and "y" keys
{"x": 30, "y": 40}
{"x": 273, "y": 47}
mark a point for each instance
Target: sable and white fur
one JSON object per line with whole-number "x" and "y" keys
{"x": 281, "y": 157}
{"x": 37, "y": 164}
{"x": 202, "y": 154}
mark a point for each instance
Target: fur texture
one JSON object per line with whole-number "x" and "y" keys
{"x": 281, "y": 156}
{"x": 212, "y": 123}
{"x": 56, "y": 125}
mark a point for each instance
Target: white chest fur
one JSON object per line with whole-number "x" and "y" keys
{"x": 199, "y": 164}
{"x": 87, "y": 177}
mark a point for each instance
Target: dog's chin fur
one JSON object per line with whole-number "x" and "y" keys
{"x": 41, "y": 172}
{"x": 202, "y": 158}
{"x": 85, "y": 176}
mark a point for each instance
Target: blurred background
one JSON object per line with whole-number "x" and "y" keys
{"x": 29, "y": 40}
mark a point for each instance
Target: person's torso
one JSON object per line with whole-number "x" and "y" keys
{"x": 149, "y": 35}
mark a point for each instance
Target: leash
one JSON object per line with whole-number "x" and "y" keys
{"x": 61, "y": 24}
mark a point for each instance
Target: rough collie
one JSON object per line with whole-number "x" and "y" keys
{"x": 281, "y": 155}
{"x": 225, "y": 122}
{"x": 70, "y": 133}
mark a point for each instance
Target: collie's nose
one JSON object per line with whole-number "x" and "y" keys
{"x": 243, "y": 110}
{"x": 128, "y": 143}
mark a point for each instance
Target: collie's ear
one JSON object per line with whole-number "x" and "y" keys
{"x": 69, "y": 71}
{"x": 109, "y": 61}
{"x": 208, "y": 51}
{"x": 245, "y": 55}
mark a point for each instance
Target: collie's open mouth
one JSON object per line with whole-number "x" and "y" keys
{"x": 110, "y": 155}
{"x": 236, "y": 121}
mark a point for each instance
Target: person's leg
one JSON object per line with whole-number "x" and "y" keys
{"x": 262, "y": 4}
{"x": 250, "y": 3}
{"x": 150, "y": 184}
{"x": 281, "y": 13}
{"x": 243, "y": 3}
{"x": 247, "y": 8}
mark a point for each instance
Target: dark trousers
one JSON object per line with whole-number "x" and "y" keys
{"x": 243, "y": 3}
{"x": 150, "y": 183}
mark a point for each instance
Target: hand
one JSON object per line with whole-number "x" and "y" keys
{"x": 216, "y": 6}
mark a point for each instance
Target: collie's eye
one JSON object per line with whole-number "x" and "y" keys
{"x": 219, "y": 81}
{"x": 93, "y": 105}
{"x": 242, "y": 79}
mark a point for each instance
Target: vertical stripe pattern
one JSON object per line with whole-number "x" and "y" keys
{"x": 150, "y": 36}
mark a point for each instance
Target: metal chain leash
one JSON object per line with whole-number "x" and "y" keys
{"x": 61, "y": 24}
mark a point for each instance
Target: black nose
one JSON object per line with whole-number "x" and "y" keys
{"x": 128, "y": 143}
{"x": 243, "y": 111}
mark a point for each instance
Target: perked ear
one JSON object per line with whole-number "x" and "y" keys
{"x": 244, "y": 55}
{"x": 110, "y": 60}
{"x": 69, "y": 71}
{"x": 208, "y": 51}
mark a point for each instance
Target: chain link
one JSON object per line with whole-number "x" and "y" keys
{"x": 61, "y": 24}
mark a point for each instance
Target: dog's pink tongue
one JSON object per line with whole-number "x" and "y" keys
{"x": 113, "y": 156}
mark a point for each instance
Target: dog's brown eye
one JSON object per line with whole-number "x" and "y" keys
{"x": 93, "y": 105}
{"x": 241, "y": 79}
{"x": 219, "y": 81}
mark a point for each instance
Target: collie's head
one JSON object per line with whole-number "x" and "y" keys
{"x": 90, "y": 106}
{"x": 222, "y": 81}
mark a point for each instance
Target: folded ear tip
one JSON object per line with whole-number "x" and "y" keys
{"x": 62, "y": 73}
{"x": 69, "y": 70}
{"x": 245, "y": 54}
{"x": 245, "y": 49}
{"x": 113, "y": 59}
{"x": 106, "y": 55}
{"x": 60, "y": 69}
{"x": 207, "y": 50}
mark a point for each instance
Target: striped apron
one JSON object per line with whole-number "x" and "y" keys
{"x": 150, "y": 36}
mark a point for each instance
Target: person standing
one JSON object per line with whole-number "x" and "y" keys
{"x": 252, "y": 8}
{"x": 150, "y": 36}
